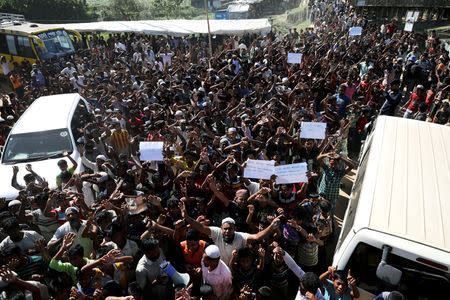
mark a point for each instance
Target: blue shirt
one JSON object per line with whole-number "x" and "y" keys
{"x": 341, "y": 103}
{"x": 330, "y": 293}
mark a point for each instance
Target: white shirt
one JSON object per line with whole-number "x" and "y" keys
{"x": 220, "y": 279}
{"x": 147, "y": 271}
{"x": 27, "y": 242}
{"x": 68, "y": 72}
{"x": 77, "y": 83}
{"x": 167, "y": 58}
{"x": 239, "y": 241}
{"x": 289, "y": 261}
{"x": 120, "y": 46}
{"x": 66, "y": 228}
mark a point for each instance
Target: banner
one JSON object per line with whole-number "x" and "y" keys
{"x": 355, "y": 31}
{"x": 259, "y": 169}
{"x": 264, "y": 169}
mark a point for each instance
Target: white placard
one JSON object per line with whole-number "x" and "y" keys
{"x": 408, "y": 26}
{"x": 313, "y": 130}
{"x": 416, "y": 16}
{"x": 259, "y": 169}
{"x": 355, "y": 31}
{"x": 151, "y": 151}
{"x": 294, "y": 58}
{"x": 293, "y": 173}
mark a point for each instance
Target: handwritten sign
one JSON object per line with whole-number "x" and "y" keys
{"x": 259, "y": 169}
{"x": 292, "y": 173}
{"x": 294, "y": 58}
{"x": 151, "y": 151}
{"x": 313, "y": 130}
{"x": 355, "y": 31}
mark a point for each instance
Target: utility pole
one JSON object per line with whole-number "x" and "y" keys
{"x": 209, "y": 32}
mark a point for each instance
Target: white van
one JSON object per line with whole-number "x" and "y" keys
{"x": 396, "y": 230}
{"x": 46, "y": 128}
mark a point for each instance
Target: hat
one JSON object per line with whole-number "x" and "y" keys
{"x": 178, "y": 113}
{"x": 101, "y": 157}
{"x": 71, "y": 208}
{"x": 9, "y": 117}
{"x": 231, "y": 129}
{"x": 223, "y": 140}
{"x": 201, "y": 89}
{"x": 103, "y": 177}
{"x": 412, "y": 58}
{"x": 14, "y": 203}
{"x": 228, "y": 220}
{"x": 212, "y": 251}
{"x": 420, "y": 87}
{"x": 146, "y": 108}
{"x": 285, "y": 80}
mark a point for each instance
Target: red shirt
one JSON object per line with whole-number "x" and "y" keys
{"x": 415, "y": 101}
{"x": 430, "y": 98}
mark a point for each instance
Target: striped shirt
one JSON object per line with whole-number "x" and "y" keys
{"x": 120, "y": 140}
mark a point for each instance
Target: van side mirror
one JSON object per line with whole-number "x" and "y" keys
{"x": 386, "y": 272}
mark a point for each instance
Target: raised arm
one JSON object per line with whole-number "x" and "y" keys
{"x": 195, "y": 225}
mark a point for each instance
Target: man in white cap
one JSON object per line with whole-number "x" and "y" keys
{"x": 85, "y": 232}
{"x": 226, "y": 238}
{"x": 216, "y": 273}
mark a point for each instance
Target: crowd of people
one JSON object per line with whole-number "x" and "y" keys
{"x": 126, "y": 229}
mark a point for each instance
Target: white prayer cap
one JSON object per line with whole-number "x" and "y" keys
{"x": 212, "y": 251}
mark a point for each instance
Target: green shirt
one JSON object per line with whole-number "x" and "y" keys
{"x": 66, "y": 267}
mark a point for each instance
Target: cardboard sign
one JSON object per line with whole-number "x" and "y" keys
{"x": 151, "y": 151}
{"x": 294, "y": 58}
{"x": 259, "y": 169}
{"x": 313, "y": 130}
{"x": 292, "y": 173}
{"x": 355, "y": 31}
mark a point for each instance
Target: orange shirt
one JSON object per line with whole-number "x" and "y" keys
{"x": 15, "y": 81}
{"x": 120, "y": 140}
{"x": 193, "y": 258}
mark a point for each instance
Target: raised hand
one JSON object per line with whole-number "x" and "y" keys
{"x": 350, "y": 279}
{"x": 7, "y": 275}
{"x": 68, "y": 240}
{"x": 251, "y": 208}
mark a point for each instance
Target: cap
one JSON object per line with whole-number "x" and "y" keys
{"x": 285, "y": 80}
{"x": 146, "y": 108}
{"x": 14, "y": 203}
{"x": 420, "y": 87}
{"x": 201, "y": 89}
{"x": 412, "y": 58}
{"x": 101, "y": 157}
{"x": 228, "y": 220}
{"x": 178, "y": 113}
{"x": 71, "y": 208}
{"x": 212, "y": 251}
{"x": 223, "y": 140}
{"x": 231, "y": 129}
{"x": 10, "y": 117}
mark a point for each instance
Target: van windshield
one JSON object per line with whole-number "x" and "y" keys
{"x": 36, "y": 146}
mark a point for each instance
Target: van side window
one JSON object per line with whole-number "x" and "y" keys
{"x": 79, "y": 120}
{"x": 417, "y": 281}
{"x": 354, "y": 199}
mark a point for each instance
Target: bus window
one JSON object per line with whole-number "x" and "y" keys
{"x": 3, "y": 44}
{"x": 418, "y": 280}
{"x": 11, "y": 44}
{"x": 24, "y": 47}
{"x": 57, "y": 43}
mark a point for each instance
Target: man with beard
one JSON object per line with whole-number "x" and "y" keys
{"x": 226, "y": 238}
{"x": 85, "y": 235}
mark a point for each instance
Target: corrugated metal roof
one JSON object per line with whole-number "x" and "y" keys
{"x": 408, "y": 181}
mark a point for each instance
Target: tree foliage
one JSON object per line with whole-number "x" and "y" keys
{"x": 48, "y": 10}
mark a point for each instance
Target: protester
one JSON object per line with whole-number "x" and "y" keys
{"x": 106, "y": 232}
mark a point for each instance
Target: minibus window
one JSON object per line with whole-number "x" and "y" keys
{"x": 11, "y": 44}
{"x": 418, "y": 280}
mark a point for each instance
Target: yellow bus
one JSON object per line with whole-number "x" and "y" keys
{"x": 23, "y": 41}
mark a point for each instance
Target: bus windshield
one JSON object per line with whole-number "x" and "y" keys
{"x": 57, "y": 43}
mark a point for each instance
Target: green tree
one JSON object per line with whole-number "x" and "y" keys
{"x": 48, "y": 10}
